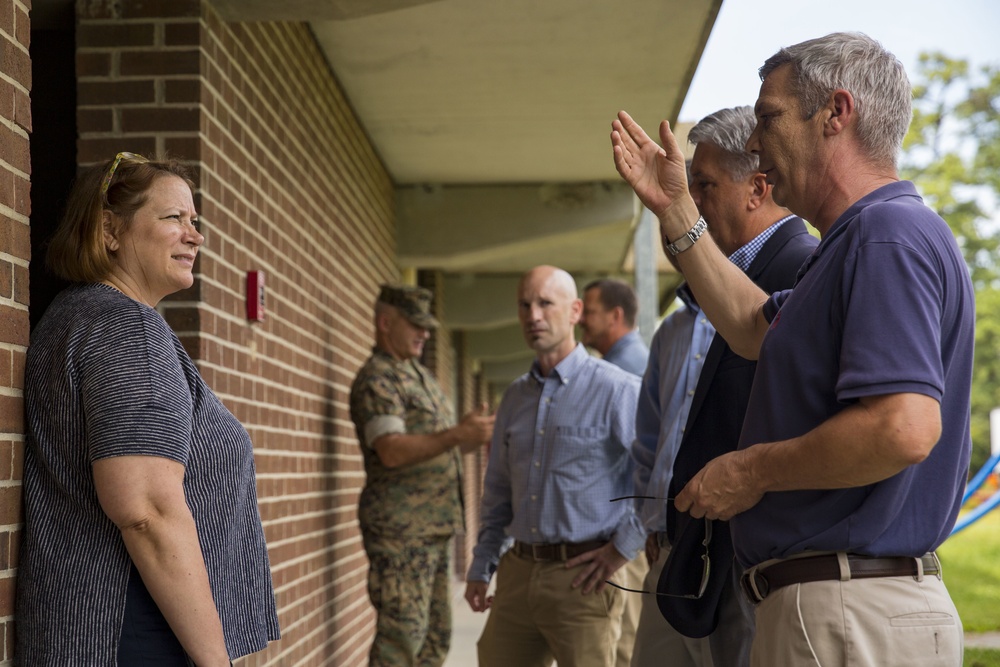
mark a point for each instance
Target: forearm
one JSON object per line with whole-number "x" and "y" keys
{"x": 863, "y": 444}
{"x": 647, "y": 421}
{"x": 397, "y": 450}
{"x": 644, "y": 457}
{"x": 495, "y": 515}
{"x": 630, "y": 536}
{"x": 730, "y": 300}
{"x": 167, "y": 553}
{"x": 643, "y": 460}
{"x": 486, "y": 553}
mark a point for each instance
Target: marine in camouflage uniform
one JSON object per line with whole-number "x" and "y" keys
{"x": 410, "y": 509}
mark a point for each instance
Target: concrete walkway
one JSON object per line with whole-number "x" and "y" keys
{"x": 466, "y": 628}
{"x": 983, "y": 640}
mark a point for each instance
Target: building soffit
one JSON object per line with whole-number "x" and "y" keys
{"x": 493, "y": 120}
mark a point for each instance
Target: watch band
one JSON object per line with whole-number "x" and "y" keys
{"x": 689, "y": 238}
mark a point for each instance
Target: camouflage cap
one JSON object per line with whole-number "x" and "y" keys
{"x": 413, "y": 302}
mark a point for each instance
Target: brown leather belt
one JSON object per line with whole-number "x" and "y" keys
{"x": 559, "y": 552}
{"x": 758, "y": 583}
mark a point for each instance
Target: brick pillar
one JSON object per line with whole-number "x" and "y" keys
{"x": 439, "y": 352}
{"x": 15, "y": 253}
{"x": 468, "y": 400}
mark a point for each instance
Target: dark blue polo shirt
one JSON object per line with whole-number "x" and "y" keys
{"x": 884, "y": 306}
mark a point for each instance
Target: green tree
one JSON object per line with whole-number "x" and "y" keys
{"x": 952, "y": 154}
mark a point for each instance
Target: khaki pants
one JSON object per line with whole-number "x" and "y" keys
{"x": 537, "y": 616}
{"x": 882, "y": 622}
{"x": 409, "y": 585}
{"x": 633, "y": 575}
{"x": 657, "y": 644}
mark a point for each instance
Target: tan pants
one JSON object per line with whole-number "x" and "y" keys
{"x": 633, "y": 575}
{"x": 537, "y": 616}
{"x": 657, "y": 644}
{"x": 883, "y": 622}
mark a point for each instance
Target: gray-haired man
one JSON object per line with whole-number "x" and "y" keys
{"x": 853, "y": 458}
{"x": 680, "y": 426}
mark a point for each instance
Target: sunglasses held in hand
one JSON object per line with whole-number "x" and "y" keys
{"x": 706, "y": 569}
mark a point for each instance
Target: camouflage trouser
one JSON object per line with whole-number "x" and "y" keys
{"x": 409, "y": 586}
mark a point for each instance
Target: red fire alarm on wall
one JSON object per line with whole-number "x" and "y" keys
{"x": 255, "y": 296}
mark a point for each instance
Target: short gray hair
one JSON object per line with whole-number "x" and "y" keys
{"x": 859, "y": 64}
{"x": 729, "y": 129}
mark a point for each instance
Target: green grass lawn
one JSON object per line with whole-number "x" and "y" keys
{"x": 981, "y": 657}
{"x": 971, "y": 562}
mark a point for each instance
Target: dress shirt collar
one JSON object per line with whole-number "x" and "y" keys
{"x": 379, "y": 352}
{"x": 745, "y": 254}
{"x": 624, "y": 341}
{"x": 685, "y": 295}
{"x": 566, "y": 368}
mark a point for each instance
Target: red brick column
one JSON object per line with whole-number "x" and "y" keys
{"x": 15, "y": 253}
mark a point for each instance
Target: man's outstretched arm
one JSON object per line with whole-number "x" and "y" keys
{"x": 732, "y": 302}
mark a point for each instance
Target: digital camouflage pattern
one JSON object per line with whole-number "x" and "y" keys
{"x": 413, "y": 501}
{"x": 409, "y": 587}
{"x": 408, "y": 515}
{"x": 413, "y": 302}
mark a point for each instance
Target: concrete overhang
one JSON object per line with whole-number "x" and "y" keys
{"x": 519, "y": 91}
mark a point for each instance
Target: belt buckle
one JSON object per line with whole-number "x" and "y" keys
{"x": 937, "y": 563}
{"x": 748, "y": 582}
{"x": 534, "y": 552}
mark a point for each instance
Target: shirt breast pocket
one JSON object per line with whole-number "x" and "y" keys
{"x": 421, "y": 414}
{"x": 580, "y": 451}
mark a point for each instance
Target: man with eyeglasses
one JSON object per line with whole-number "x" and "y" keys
{"x": 560, "y": 452}
{"x": 691, "y": 407}
{"x": 855, "y": 448}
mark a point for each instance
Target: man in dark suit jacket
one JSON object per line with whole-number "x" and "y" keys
{"x": 770, "y": 245}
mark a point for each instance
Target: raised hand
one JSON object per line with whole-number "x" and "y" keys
{"x": 658, "y": 175}
{"x": 477, "y": 428}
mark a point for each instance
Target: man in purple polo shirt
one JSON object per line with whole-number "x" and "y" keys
{"x": 855, "y": 447}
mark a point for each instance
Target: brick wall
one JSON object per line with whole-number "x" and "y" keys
{"x": 473, "y": 390}
{"x": 15, "y": 252}
{"x": 287, "y": 184}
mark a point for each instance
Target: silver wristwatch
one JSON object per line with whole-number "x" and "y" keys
{"x": 689, "y": 239}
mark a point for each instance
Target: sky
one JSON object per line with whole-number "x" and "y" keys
{"x": 747, "y": 32}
